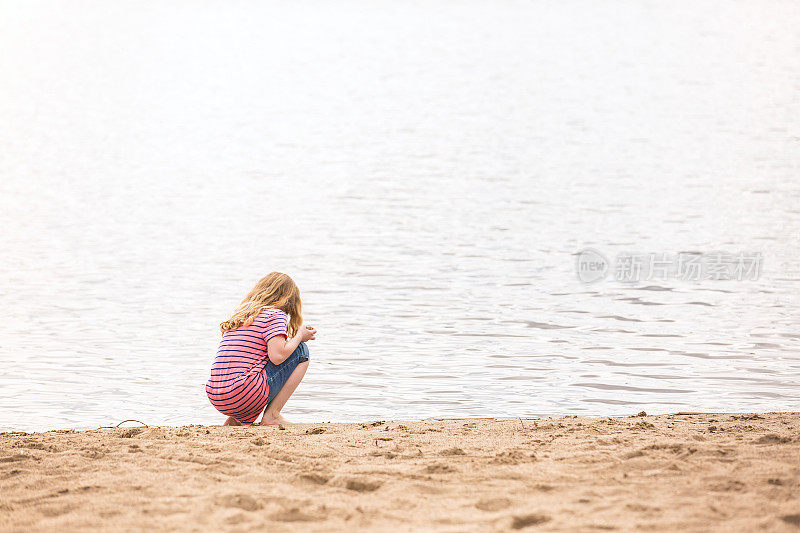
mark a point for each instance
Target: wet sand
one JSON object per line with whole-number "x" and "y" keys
{"x": 683, "y": 472}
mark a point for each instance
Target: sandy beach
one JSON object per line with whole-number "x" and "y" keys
{"x": 682, "y": 472}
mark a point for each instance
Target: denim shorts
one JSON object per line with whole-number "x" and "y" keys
{"x": 278, "y": 374}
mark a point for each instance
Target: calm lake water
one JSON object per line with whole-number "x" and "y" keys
{"x": 427, "y": 172}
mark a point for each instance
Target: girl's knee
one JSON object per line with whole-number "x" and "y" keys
{"x": 302, "y": 350}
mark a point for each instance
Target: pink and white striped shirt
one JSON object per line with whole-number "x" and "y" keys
{"x": 238, "y": 384}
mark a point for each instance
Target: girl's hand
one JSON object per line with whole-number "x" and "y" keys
{"x": 307, "y": 333}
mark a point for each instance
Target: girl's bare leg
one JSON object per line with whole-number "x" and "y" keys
{"x": 272, "y": 414}
{"x": 232, "y": 422}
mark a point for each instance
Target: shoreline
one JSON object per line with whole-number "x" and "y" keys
{"x": 682, "y": 471}
{"x": 134, "y": 423}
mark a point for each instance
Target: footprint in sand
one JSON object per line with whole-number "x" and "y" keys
{"x": 513, "y": 457}
{"x": 52, "y": 511}
{"x": 452, "y": 451}
{"x": 294, "y": 515}
{"x": 535, "y": 519}
{"x": 388, "y": 455}
{"x": 15, "y": 458}
{"x": 317, "y": 479}
{"x": 241, "y": 501}
{"x": 93, "y": 453}
{"x": 362, "y": 485}
{"x": 35, "y": 445}
{"x": 238, "y": 518}
{"x": 493, "y": 504}
{"x": 793, "y": 519}
{"x": 439, "y": 469}
{"x": 727, "y": 486}
{"x": 773, "y": 438}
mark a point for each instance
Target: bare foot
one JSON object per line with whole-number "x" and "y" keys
{"x": 270, "y": 419}
{"x": 232, "y": 422}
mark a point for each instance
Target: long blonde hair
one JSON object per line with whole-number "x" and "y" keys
{"x": 275, "y": 290}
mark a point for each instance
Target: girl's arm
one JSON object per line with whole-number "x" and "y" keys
{"x": 279, "y": 348}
